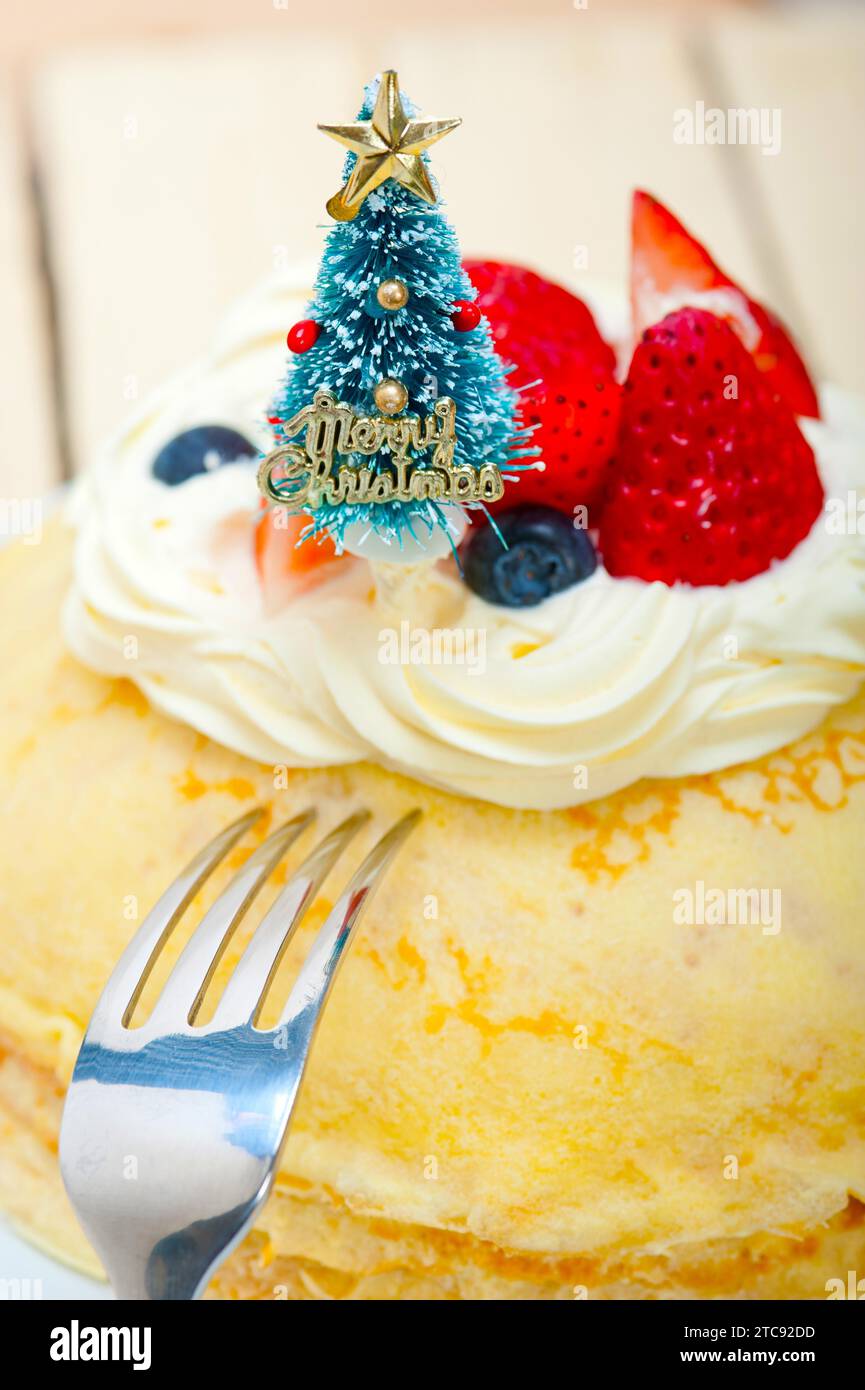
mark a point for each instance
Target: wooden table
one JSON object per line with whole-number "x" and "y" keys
{"x": 144, "y": 184}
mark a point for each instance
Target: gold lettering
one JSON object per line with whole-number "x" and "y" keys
{"x": 367, "y": 434}
{"x": 382, "y": 489}
{"x": 403, "y": 434}
{"x": 291, "y": 487}
{"x": 342, "y": 487}
{"x": 463, "y": 483}
{"x": 443, "y": 454}
{"x": 300, "y": 478}
{"x": 491, "y": 484}
{"x": 427, "y": 483}
{"x": 364, "y": 478}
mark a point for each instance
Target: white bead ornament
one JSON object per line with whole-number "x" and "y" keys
{"x": 360, "y": 539}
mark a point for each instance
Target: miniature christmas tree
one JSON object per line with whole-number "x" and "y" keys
{"x": 407, "y": 413}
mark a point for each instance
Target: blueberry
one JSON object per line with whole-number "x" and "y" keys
{"x": 545, "y": 553}
{"x": 198, "y": 450}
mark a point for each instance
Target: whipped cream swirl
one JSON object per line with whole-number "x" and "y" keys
{"x": 609, "y": 682}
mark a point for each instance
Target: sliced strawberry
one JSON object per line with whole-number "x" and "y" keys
{"x": 670, "y": 269}
{"x": 713, "y": 479}
{"x": 564, "y": 370}
{"x": 284, "y": 567}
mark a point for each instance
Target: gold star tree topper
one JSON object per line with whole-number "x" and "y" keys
{"x": 387, "y": 147}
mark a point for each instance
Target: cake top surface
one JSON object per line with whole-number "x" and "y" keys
{"x": 613, "y": 679}
{"x": 473, "y": 530}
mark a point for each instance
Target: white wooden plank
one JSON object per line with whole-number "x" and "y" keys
{"x": 175, "y": 174}
{"x": 562, "y": 120}
{"x": 176, "y": 171}
{"x": 811, "y": 67}
{"x": 29, "y": 463}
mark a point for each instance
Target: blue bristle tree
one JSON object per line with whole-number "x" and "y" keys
{"x": 395, "y": 234}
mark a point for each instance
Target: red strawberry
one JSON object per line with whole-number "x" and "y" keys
{"x": 577, "y": 419}
{"x": 670, "y": 269}
{"x": 284, "y": 567}
{"x": 713, "y": 478}
{"x": 536, "y": 324}
{"x": 564, "y": 370}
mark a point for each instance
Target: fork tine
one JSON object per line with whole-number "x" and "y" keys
{"x": 243, "y": 997}
{"x": 186, "y": 986}
{"x": 309, "y": 994}
{"x": 128, "y": 978}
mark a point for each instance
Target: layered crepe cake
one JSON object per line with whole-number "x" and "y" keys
{"x": 601, "y": 1032}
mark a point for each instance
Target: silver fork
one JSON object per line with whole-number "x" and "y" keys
{"x": 172, "y": 1132}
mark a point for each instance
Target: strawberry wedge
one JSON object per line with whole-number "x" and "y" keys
{"x": 671, "y": 270}
{"x": 286, "y": 568}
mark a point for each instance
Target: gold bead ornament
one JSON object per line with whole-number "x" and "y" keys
{"x": 392, "y": 294}
{"x": 390, "y": 396}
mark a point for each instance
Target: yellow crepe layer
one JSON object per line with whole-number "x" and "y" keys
{"x": 531, "y": 1079}
{"x": 309, "y": 1244}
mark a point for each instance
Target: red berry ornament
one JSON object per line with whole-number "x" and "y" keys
{"x": 303, "y": 335}
{"x": 466, "y": 315}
